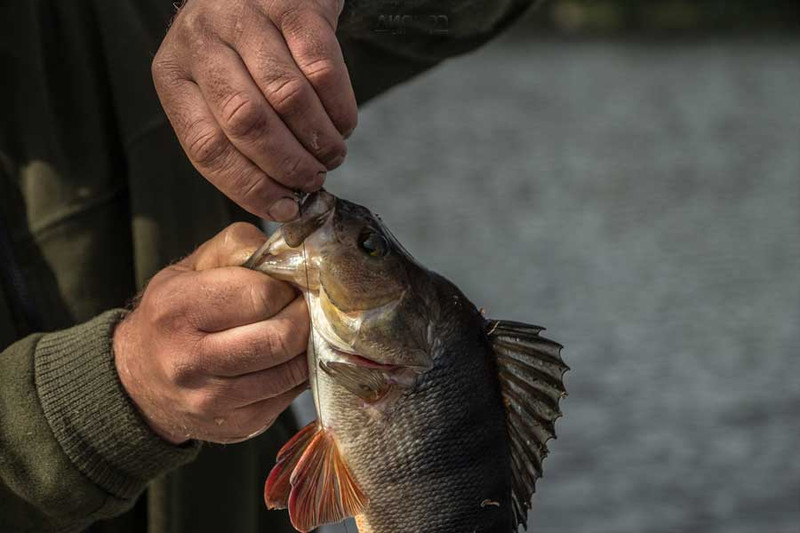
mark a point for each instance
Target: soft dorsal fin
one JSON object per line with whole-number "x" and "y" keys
{"x": 530, "y": 371}
{"x": 313, "y": 481}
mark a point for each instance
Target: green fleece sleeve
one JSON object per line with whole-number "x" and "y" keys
{"x": 73, "y": 449}
{"x": 386, "y": 42}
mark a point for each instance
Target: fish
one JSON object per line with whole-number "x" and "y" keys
{"x": 430, "y": 417}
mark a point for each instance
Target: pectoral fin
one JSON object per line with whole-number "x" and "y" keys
{"x": 369, "y": 384}
{"x": 313, "y": 480}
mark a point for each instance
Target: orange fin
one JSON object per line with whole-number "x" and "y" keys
{"x": 323, "y": 489}
{"x": 277, "y": 488}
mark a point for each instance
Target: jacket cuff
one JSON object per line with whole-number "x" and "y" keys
{"x": 90, "y": 413}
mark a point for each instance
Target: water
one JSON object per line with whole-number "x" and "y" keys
{"x": 642, "y": 201}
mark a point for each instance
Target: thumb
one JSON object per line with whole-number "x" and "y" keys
{"x": 230, "y": 247}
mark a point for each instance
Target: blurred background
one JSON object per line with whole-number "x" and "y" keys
{"x": 626, "y": 173}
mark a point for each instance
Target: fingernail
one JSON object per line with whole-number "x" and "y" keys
{"x": 336, "y": 162}
{"x": 284, "y": 209}
{"x": 348, "y": 133}
{"x": 319, "y": 181}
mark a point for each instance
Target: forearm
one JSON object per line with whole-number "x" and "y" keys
{"x": 72, "y": 448}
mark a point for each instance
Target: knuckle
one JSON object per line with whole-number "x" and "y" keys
{"x": 333, "y": 154}
{"x": 243, "y": 118}
{"x": 287, "y": 16}
{"x": 290, "y": 167}
{"x": 171, "y": 312}
{"x": 261, "y": 299}
{"x": 292, "y": 375}
{"x": 275, "y": 343}
{"x": 205, "y": 144}
{"x": 237, "y": 357}
{"x": 251, "y": 189}
{"x": 163, "y": 312}
{"x": 181, "y": 373}
{"x": 234, "y": 358}
{"x": 238, "y": 233}
{"x": 295, "y": 171}
{"x": 203, "y": 403}
{"x": 287, "y": 94}
{"x": 194, "y": 22}
{"x": 163, "y": 69}
{"x": 321, "y": 71}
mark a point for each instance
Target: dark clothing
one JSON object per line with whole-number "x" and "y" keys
{"x": 96, "y": 195}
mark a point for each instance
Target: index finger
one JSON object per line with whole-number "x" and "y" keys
{"x": 311, "y": 38}
{"x": 258, "y": 346}
{"x": 223, "y": 298}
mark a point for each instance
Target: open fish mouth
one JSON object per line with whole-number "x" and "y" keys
{"x": 361, "y": 361}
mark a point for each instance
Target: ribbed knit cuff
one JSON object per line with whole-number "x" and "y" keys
{"x": 91, "y": 415}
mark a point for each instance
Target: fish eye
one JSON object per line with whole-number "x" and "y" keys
{"x": 373, "y": 243}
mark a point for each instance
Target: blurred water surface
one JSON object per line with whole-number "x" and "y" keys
{"x": 642, "y": 201}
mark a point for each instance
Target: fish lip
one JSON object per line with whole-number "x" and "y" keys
{"x": 365, "y": 362}
{"x": 310, "y": 198}
{"x": 315, "y": 210}
{"x": 360, "y": 360}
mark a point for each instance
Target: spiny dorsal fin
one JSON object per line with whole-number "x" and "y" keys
{"x": 530, "y": 371}
{"x": 313, "y": 481}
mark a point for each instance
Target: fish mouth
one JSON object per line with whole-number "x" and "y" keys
{"x": 314, "y": 212}
{"x": 360, "y": 360}
{"x": 285, "y": 255}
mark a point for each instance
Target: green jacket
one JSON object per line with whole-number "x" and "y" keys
{"x": 95, "y": 197}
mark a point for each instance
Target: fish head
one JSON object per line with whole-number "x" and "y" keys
{"x": 366, "y": 294}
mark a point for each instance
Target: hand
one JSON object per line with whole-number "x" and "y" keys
{"x": 259, "y": 96}
{"x": 214, "y": 351}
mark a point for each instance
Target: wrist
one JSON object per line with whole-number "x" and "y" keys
{"x": 90, "y": 414}
{"x": 127, "y": 356}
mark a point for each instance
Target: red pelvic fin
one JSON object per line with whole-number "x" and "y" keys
{"x": 323, "y": 488}
{"x": 313, "y": 481}
{"x": 277, "y": 488}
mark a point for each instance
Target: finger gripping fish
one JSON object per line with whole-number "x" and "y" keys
{"x": 431, "y": 418}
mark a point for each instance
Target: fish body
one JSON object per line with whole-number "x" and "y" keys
{"x": 429, "y": 461}
{"x": 431, "y": 418}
